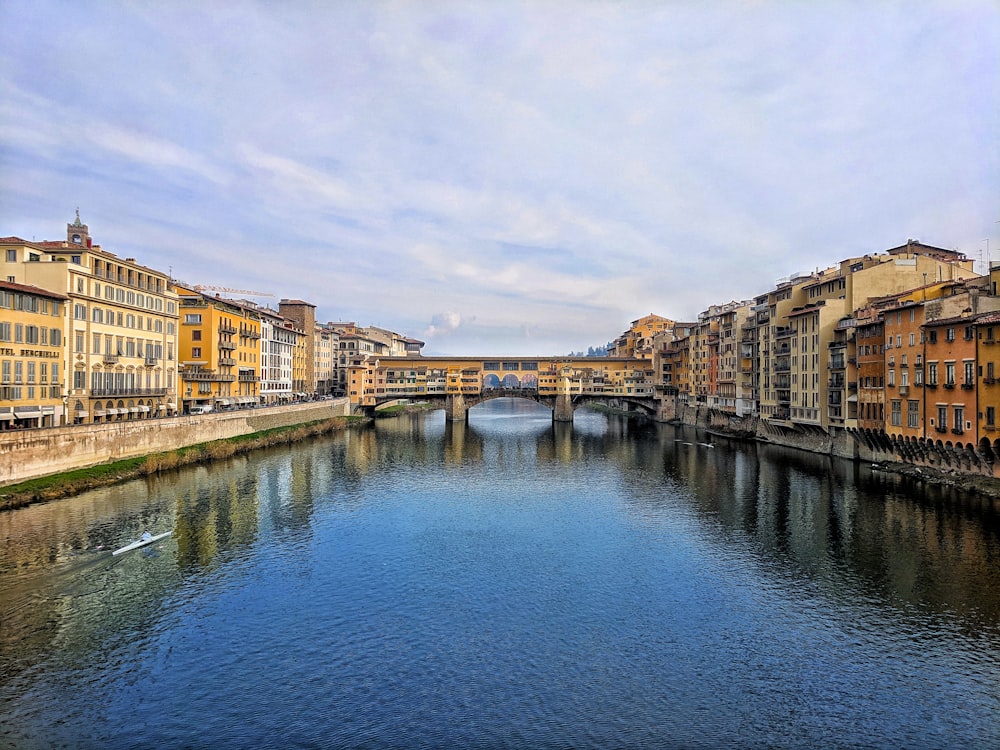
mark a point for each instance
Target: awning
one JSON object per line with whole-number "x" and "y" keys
{"x": 6, "y": 416}
{"x": 82, "y": 413}
{"x": 171, "y": 405}
{"x": 111, "y": 412}
{"x": 30, "y": 413}
{"x": 143, "y": 408}
{"x": 225, "y": 401}
{"x": 134, "y": 409}
{"x": 99, "y": 412}
{"x": 162, "y": 407}
{"x": 852, "y": 398}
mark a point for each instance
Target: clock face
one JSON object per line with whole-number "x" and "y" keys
{"x": 76, "y": 239}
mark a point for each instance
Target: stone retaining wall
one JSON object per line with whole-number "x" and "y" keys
{"x": 27, "y": 454}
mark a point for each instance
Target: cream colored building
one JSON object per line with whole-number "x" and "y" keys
{"x": 120, "y": 331}
{"x": 804, "y": 314}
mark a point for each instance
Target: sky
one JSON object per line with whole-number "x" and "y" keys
{"x": 522, "y": 177}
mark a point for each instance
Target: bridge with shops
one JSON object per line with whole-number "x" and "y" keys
{"x": 459, "y": 383}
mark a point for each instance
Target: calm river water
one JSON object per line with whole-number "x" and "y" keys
{"x": 505, "y": 584}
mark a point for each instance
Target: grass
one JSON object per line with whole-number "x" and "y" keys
{"x": 405, "y": 409}
{"x": 73, "y": 482}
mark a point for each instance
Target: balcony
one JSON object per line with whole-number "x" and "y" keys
{"x": 225, "y": 327}
{"x": 904, "y": 390}
{"x": 227, "y": 362}
{"x": 968, "y": 386}
{"x": 111, "y": 359}
{"x": 151, "y": 361}
{"x": 116, "y": 392}
{"x": 227, "y": 345}
{"x": 207, "y": 375}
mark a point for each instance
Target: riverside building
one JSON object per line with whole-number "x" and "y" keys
{"x": 119, "y": 331}
{"x": 32, "y": 388}
{"x": 219, "y": 352}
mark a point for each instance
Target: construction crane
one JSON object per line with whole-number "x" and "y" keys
{"x": 249, "y": 292}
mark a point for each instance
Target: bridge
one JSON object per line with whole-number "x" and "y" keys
{"x": 561, "y": 383}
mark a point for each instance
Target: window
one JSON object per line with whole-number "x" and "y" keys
{"x": 912, "y": 413}
{"x": 196, "y": 334}
{"x": 913, "y": 337}
{"x": 196, "y": 351}
{"x": 969, "y": 372}
{"x": 192, "y": 318}
{"x": 12, "y": 256}
{"x": 897, "y": 413}
{"x": 4, "y": 331}
{"x": 79, "y": 312}
{"x": 932, "y": 373}
{"x": 949, "y": 334}
{"x": 932, "y": 337}
{"x": 892, "y": 377}
{"x": 918, "y": 376}
{"x": 959, "y": 418}
{"x": 949, "y": 373}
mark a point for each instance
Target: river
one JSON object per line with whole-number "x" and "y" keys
{"x": 506, "y": 583}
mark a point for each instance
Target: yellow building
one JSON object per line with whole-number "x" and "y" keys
{"x": 32, "y": 387}
{"x": 804, "y": 315}
{"x": 219, "y": 352}
{"x": 637, "y": 342}
{"x": 119, "y": 330}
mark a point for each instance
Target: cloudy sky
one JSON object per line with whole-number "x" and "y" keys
{"x": 501, "y": 177}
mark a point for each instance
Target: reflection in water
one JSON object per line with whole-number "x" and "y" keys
{"x": 462, "y": 554}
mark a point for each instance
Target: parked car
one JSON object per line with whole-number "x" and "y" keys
{"x": 201, "y": 409}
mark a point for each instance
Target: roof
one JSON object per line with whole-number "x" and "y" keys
{"x": 27, "y": 289}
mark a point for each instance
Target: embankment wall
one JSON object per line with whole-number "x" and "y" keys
{"x": 856, "y": 445}
{"x": 27, "y": 454}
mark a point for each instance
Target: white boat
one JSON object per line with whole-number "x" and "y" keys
{"x": 141, "y": 543}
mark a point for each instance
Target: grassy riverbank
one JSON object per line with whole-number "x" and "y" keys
{"x": 394, "y": 411}
{"x": 72, "y": 482}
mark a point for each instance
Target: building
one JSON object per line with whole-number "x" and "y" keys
{"x": 219, "y": 351}
{"x": 32, "y": 358}
{"x": 637, "y": 342}
{"x": 325, "y": 360}
{"x": 303, "y": 315}
{"x": 805, "y": 312}
{"x": 120, "y": 330}
{"x": 279, "y": 340}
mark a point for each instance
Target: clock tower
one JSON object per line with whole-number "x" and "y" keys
{"x": 78, "y": 233}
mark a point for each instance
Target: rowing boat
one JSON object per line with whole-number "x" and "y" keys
{"x": 141, "y": 543}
